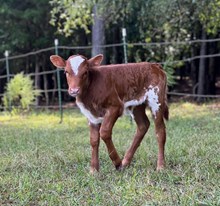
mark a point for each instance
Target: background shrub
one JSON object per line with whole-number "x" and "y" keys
{"x": 20, "y": 93}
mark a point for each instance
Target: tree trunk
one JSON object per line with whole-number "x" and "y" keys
{"x": 211, "y": 74}
{"x": 37, "y": 79}
{"x": 201, "y": 81}
{"x": 115, "y": 57}
{"x": 98, "y": 34}
{"x": 194, "y": 72}
{"x": 194, "y": 68}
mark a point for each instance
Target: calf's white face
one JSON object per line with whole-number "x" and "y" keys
{"x": 75, "y": 63}
{"x": 76, "y": 68}
{"x": 76, "y": 72}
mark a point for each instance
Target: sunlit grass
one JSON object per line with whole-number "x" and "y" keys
{"x": 46, "y": 163}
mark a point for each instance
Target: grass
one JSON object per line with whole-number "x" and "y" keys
{"x": 43, "y": 162}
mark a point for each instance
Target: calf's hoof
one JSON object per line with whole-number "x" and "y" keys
{"x": 93, "y": 171}
{"x": 125, "y": 163}
{"x": 160, "y": 168}
{"x": 122, "y": 166}
{"x": 119, "y": 167}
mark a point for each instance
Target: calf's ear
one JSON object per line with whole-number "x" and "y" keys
{"x": 96, "y": 60}
{"x": 58, "y": 61}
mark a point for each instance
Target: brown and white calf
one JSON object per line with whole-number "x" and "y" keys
{"x": 104, "y": 93}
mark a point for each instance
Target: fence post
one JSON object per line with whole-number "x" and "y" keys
{"x": 8, "y": 75}
{"x": 56, "y": 42}
{"x": 124, "y": 44}
{"x": 7, "y": 65}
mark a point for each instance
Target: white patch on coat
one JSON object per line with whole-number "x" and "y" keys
{"x": 152, "y": 96}
{"x": 133, "y": 103}
{"x": 75, "y": 63}
{"x": 92, "y": 119}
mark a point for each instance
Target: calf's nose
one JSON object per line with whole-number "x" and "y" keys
{"x": 73, "y": 92}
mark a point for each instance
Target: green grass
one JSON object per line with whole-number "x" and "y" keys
{"x": 43, "y": 162}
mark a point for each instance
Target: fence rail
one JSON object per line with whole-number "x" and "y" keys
{"x": 115, "y": 45}
{"x": 193, "y": 95}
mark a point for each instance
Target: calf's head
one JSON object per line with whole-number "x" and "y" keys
{"x": 76, "y": 68}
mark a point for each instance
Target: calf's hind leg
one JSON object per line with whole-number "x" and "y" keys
{"x": 160, "y": 130}
{"x": 142, "y": 127}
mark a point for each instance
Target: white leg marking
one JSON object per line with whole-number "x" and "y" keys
{"x": 129, "y": 112}
{"x": 75, "y": 63}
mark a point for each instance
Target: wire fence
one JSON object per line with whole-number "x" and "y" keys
{"x": 59, "y": 89}
{"x": 122, "y": 44}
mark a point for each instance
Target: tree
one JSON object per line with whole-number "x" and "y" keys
{"x": 25, "y": 27}
{"x": 210, "y": 20}
{"x": 70, "y": 15}
{"x": 189, "y": 20}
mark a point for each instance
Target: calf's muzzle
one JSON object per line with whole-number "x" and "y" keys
{"x": 73, "y": 92}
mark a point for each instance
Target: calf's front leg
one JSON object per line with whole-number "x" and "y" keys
{"x": 94, "y": 141}
{"x": 106, "y": 134}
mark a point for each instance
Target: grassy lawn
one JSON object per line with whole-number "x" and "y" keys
{"x": 43, "y": 162}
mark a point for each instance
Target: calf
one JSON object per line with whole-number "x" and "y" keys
{"x": 104, "y": 93}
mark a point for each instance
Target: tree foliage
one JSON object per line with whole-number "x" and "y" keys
{"x": 24, "y": 25}
{"x": 69, "y": 15}
{"x": 210, "y": 17}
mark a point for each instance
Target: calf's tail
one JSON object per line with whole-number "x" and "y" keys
{"x": 166, "y": 108}
{"x": 166, "y": 112}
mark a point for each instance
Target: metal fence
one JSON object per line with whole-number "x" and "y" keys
{"x": 123, "y": 45}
